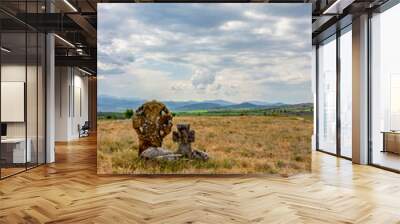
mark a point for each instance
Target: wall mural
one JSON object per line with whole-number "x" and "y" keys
{"x": 204, "y": 88}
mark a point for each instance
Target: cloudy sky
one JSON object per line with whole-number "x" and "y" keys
{"x": 234, "y": 52}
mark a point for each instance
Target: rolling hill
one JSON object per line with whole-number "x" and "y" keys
{"x": 115, "y": 104}
{"x": 198, "y": 106}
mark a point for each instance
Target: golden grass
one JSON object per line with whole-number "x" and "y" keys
{"x": 235, "y": 144}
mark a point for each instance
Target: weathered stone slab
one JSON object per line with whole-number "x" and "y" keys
{"x": 170, "y": 157}
{"x": 200, "y": 155}
{"x": 154, "y": 152}
{"x": 159, "y": 153}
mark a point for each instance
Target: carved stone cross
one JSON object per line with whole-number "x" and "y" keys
{"x": 184, "y": 137}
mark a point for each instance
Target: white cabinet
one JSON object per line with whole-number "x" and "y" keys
{"x": 17, "y": 145}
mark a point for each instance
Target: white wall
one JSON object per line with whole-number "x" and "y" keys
{"x": 80, "y": 110}
{"x": 71, "y": 102}
{"x": 16, "y": 73}
{"x": 62, "y": 81}
{"x": 12, "y": 73}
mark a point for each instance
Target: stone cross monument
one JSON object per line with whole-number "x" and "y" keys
{"x": 184, "y": 137}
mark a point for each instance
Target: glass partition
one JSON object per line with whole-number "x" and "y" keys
{"x": 22, "y": 77}
{"x": 385, "y": 89}
{"x": 334, "y": 83}
{"x": 327, "y": 95}
{"x": 346, "y": 93}
{"x": 13, "y": 109}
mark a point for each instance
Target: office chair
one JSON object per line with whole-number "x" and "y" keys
{"x": 84, "y": 130}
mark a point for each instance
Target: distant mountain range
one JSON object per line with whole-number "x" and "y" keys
{"x": 115, "y": 104}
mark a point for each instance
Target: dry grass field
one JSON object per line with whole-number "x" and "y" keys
{"x": 236, "y": 145}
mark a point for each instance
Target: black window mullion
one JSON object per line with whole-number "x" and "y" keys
{"x": 45, "y": 94}
{"x": 369, "y": 90}
{"x": 0, "y": 95}
{"x": 37, "y": 90}
{"x": 73, "y": 92}
{"x": 338, "y": 91}
{"x": 26, "y": 87}
{"x": 317, "y": 97}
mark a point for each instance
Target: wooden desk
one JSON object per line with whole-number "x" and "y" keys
{"x": 391, "y": 141}
{"x": 13, "y": 150}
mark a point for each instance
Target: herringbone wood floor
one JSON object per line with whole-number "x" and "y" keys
{"x": 69, "y": 191}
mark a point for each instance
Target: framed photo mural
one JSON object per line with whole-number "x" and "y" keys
{"x": 204, "y": 88}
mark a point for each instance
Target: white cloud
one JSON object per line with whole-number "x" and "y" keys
{"x": 263, "y": 31}
{"x": 233, "y": 25}
{"x": 283, "y": 27}
{"x": 147, "y": 40}
{"x": 255, "y": 15}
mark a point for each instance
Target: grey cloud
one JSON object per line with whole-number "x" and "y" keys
{"x": 119, "y": 59}
{"x": 110, "y": 71}
{"x": 202, "y": 78}
{"x": 190, "y": 35}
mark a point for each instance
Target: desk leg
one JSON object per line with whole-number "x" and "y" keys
{"x": 384, "y": 142}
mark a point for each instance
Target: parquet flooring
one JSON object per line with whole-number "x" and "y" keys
{"x": 69, "y": 191}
